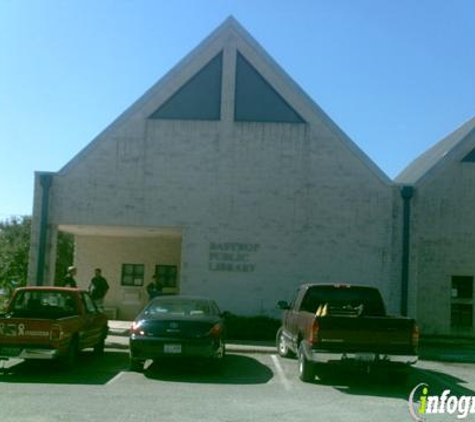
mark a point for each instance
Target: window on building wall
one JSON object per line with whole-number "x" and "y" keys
{"x": 167, "y": 275}
{"x": 132, "y": 275}
{"x": 462, "y": 302}
{"x": 256, "y": 100}
{"x": 197, "y": 99}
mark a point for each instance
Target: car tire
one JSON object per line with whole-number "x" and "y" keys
{"x": 321, "y": 371}
{"x": 70, "y": 359}
{"x": 221, "y": 353}
{"x": 99, "y": 347}
{"x": 306, "y": 367}
{"x": 218, "y": 359}
{"x": 281, "y": 345}
{"x": 400, "y": 377}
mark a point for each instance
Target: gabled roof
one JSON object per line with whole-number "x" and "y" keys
{"x": 435, "y": 157}
{"x": 248, "y": 48}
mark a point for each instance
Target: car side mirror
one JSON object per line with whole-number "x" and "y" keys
{"x": 282, "y": 304}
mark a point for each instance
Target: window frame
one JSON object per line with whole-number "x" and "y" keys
{"x": 137, "y": 275}
{"x": 164, "y": 279}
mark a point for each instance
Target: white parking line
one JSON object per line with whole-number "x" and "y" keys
{"x": 280, "y": 372}
{"x": 116, "y": 378}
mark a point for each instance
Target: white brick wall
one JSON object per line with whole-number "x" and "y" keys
{"x": 443, "y": 240}
{"x": 316, "y": 207}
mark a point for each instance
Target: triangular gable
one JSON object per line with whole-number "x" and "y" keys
{"x": 470, "y": 157}
{"x": 197, "y": 99}
{"x": 435, "y": 157}
{"x": 230, "y": 37}
{"x": 256, "y": 100}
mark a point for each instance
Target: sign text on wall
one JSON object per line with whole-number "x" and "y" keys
{"x": 232, "y": 256}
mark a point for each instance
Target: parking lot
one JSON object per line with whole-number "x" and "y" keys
{"x": 250, "y": 387}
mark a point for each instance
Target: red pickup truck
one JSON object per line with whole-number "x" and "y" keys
{"x": 51, "y": 323}
{"x": 345, "y": 324}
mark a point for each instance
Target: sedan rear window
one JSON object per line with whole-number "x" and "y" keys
{"x": 180, "y": 308}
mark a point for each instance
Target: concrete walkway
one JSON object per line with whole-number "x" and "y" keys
{"x": 430, "y": 348}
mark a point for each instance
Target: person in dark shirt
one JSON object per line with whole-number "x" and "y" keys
{"x": 98, "y": 289}
{"x": 69, "y": 280}
{"x": 155, "y": 288}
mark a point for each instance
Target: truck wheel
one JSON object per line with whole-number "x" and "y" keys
{"x": 400, "y": 377}
{"x": 69, "y": 360}
{"x": 99, "y": 347}
{"x": 306, "y": 367}
{"x": 281, "y": 345}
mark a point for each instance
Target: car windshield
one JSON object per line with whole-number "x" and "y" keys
{"x": 185, "y": 307}
{"x": 44, "y": 304}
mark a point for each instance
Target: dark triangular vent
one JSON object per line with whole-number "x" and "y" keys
{"x": 470, "y": 157}
{"x": 256, "y": 100}
{"x": 197, "y": 99}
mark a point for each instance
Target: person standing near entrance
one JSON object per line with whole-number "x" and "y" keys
{"x": 98, "y": 289}
{"x": 69, "y": 280}
{"x": 155, "y": 288}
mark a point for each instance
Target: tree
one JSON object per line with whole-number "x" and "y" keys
{"x": 64, "y": 256}
{"x": 14, "y": 250}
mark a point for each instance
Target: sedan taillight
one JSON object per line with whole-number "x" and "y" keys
{"x": 137, "y": 329}
{"x": 215, "y": 330}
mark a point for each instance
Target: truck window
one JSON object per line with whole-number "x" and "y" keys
{"x": 367, "y": 299}
{"x": 44, "y": 304}
{"x": 88, "y": 304}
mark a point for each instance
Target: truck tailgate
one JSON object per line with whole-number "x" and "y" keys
{"x": 365, "y": 334}
{"x": 20, "y": 332}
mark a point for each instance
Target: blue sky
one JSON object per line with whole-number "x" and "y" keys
{"x": 396, "y": 76}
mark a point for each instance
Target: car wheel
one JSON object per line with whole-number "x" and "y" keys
{"x": 221, "y": 351}
{"x": 282, "y": 347}
{"x": 69, "y": 360}
{"x": 136, "y": 365}
{"x": 306, "y": 367}
{"x": 400, "y": 377}
{"x": 321, "y": 371}
{"x": 99, "y": 347}
{"x": 218, "y": 359}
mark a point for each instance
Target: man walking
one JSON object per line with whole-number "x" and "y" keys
{"x": 98, "y": 289}
{"x": 69, "y": 280}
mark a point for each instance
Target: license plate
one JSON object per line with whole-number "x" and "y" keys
{"x": 365, "y": 357}
{"x": 172, "y": 348}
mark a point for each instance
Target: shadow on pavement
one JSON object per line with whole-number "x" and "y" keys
{"x": 379, "y": 383}
{"x": 89, "y": 370}
{"x": 236, "y": 369}
{"x": 387, "y": 384}
{"x": 440, "y": 381}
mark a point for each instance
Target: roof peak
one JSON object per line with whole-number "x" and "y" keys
{"x": 433, "y": 157}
